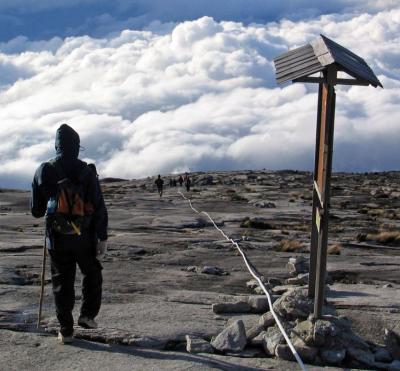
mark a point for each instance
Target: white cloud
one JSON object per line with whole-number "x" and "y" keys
{"x": 200, "y": 95}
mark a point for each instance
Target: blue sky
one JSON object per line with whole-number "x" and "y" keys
{"x": 44, "y": 19}
{"x": 162, "y": 86}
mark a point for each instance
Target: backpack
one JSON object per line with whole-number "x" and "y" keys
{"x": 70, "y": 212}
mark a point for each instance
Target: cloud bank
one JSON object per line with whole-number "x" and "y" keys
{"x": 198, "y": 95}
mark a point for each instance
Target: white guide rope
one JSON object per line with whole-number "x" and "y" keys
{"x": 258, "y": 279}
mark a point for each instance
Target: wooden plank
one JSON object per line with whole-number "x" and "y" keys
{"x": 291, "y": 52}
{"x": 329, "y": 110}
{"x": 305, "y": 52}
{"x": 322, "y": 142}
{"x": 304, "y": 66}
{"x": 315, "y": 80}
{"x": 314, "y": 231}
{"x": 352, "y": 82}
{"x": 294, "y": 61}
{"x": 300, "y": 73}
{"x": 297, "y": 65}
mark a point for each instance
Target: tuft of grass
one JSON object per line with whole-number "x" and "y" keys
{"x": 289, "y": 246}
{"x": 335, "y": 249}
{"x": 256, "y": 223}
{"x": 385, "y": 238}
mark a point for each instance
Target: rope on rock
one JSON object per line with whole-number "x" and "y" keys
{"x": 258, "y": 279}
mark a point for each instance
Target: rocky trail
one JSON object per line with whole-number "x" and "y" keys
{"x": 172, "y": 283}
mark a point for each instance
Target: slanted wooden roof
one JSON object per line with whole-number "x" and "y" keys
{"x": 317, "y": 56}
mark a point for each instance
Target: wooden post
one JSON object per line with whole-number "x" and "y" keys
{"x": 321, "y": 192}
{"x": 315, "y": 204}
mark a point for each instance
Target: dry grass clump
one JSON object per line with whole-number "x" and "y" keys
{"x": 385, "y": 238}
{"x": 335, "y": 249}
{"x": 256, "y": 223}
{"x": 289, "y": 246}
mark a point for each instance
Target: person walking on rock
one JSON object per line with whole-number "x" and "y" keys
{"x": 180, "y": 180}
{"x": 188, "y": 183}
{"x": 159, "y": 183}
{"x": 66, "y": 191}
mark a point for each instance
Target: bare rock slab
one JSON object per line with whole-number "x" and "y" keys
{"x": 198, "y": 345}
{"x": 231, "y": 339}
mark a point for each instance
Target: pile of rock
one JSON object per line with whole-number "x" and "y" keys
{"x": 326, "y": 341}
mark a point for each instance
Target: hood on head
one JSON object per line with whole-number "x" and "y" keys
{"x": 67, "y": 142}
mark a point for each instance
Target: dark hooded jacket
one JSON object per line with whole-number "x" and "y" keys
{"x": 44, "y": 183}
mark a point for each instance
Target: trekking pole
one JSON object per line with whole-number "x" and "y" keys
{"x": 42, "y": 283}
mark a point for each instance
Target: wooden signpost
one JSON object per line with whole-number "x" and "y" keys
{"x": 327, "y": 58}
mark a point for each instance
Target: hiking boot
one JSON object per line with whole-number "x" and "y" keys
{"x": 87, "y": 322}
{"x": 65, "y": 339}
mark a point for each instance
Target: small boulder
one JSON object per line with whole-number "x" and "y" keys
{"x": 324, "y": 330}
{"x": 306, "y": 353}
{"x": 297, "y": 265}
{"x": 238, "y": 307}
{"x": 301, "y": 279}
{"x": 294, "y": 304}
{"x": 258, "y": 340}
{"x": 264, "y": 204}
{"x": 231, "y": 339}
{"x": 271, "y": 339}
{"x": 259, "y": 304}
{"x": 304, "y": 331}
{"x": 254, "y": 331}
{"x": 198, "y": 345}
{"x": 267, "y": 320}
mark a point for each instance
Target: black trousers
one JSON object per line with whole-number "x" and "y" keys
{"x": 69, "y": 251}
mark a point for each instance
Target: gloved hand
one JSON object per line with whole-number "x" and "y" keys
{"x": 101, "y": 249}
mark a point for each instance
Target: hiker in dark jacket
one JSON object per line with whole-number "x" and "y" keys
{"x": 159, "y": 183}
{"x": 188, "y": 183}
{"x": 82, "y": 247}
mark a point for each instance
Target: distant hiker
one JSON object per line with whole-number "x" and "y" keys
{"x": 66, "y": 191}
{"x": 159, "y": 183}
{"x": 180, "y": 180}
{"x": 188, "y": 183}
{"x": 174, "y": 182}
{"x": 171, "y": 183}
